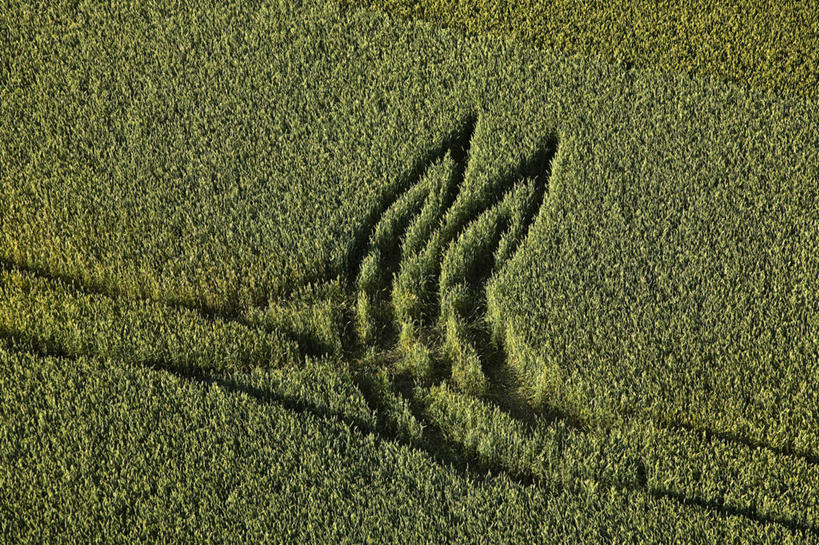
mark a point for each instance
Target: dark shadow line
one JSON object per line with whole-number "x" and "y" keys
{"x": 540, "y": 170}
{"x": 537, "y": 167}
{"x": 10, "y": 266}
{"x": 202, "y": 376}
{"x": 728, "y": 510}
{"x": 466, "y": 462}
{"x": 457, "y": 143}
{"x": 34, "y": 345}
{"x": 449, "y": 454}
{"x": 711, "y": 435}
{"x": 192, "y": 373}
{"x": 306, "y": 345}
{"x": 494, "y": 359}
{"x": 206, "y": 311}
{"x": 291, "y": 403}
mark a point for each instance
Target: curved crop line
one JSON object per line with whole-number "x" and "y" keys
{"x": 401, "y": 230}
{"x": 421, "y": 285}
{"x": 467, "y": 265}
{"x": 411, "y": 213}
{"x": 507, "y": 219}
{"x": 464, "y": 462}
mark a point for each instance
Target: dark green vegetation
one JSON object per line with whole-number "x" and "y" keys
{"x": 288, "y": 272}
{"x": 767, "y": 44}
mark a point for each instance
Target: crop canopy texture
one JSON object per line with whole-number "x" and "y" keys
{"x": 285, "y": 259}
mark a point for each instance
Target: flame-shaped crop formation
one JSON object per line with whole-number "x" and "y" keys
{"x": 421, "y": 288}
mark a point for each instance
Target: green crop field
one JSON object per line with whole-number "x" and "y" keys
{"x": 340, "y": 271}
{"x": 762, "y": 43}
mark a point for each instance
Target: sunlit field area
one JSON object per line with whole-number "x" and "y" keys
{"x": 349, "y": 271}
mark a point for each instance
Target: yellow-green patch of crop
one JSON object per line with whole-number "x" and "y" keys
{"x": 771, "y": 45}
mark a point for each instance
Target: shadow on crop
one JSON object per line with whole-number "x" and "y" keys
{"x": 502, "y": 382}
{"x": 502, "y": 385}
{"x": 433, "y": 442}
